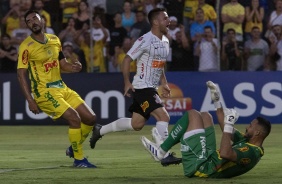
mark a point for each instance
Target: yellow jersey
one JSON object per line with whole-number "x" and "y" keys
{"x": 42, "y": 62}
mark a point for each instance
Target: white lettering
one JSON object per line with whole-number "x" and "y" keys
{"x": 6, "y": 101}
{"x": 249, "y": 102}
{"x": 105, "y": 97}
{"x": 275, "y": 109}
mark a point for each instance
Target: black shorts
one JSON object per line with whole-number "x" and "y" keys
{"x": 145, "y": 101}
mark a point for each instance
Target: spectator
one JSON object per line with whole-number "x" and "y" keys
{"x": 140, "y": 27}
{"x": 84, "y": 40}
{"x": 69, "y": 33}
{"x": 120, "y": 53}
{"x": 197, "y": 32}
{"x": 128, "y": 16}
{"x": 254, "y": 16}
{"x": 189, "y": 6}
{"x": 8, "y": 55}
{"x": 12, "y": 19}
{"x": 100, "y": 35}
{"x": 209, "y": 12}
{"x": 256, "y": 52}
{"x": 197, "y": 26}
{"x": 173, "y": 27}
{"x": 232, "y": 50}
{"x": 207, "y": 52}
{"x": 117, "y": 35}
{"x": 232, "y": 15}
{"x": 19, "y": 34}
{"x": 38, "y": 6}
{"x": 274, "y": 39}
{"x": 69, "y": 7}
{"x": 275, "y": 17}
{"x": 138, "y": 5}
{"x": 82, "y": 15}
{"x": 71, "y": 56}
{"x": 181, "y": 53}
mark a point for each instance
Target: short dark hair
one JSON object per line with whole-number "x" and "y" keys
{"x": 255, "y": 27}
{"x": 154, "y": 13}
{"x": 265, "y": 124}
{"x": 208, "y": 27}
{"x": 29, "y": 12}
{"x": 231, "y": 29}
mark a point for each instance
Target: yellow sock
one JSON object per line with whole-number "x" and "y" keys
{"x": 85, "y": 130}
{"x": 75, "y": 138}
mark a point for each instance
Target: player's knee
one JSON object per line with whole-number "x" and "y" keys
{"x": 207, "y": 119}
{"x": 137, "y": 126}
{"x": 74, "y": 121}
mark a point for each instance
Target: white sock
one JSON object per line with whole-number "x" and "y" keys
{"x": 118, "y": 125}
{"x": 162, "y": 128}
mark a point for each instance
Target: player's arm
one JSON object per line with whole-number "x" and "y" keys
{"x": 69, "y": 67}
{"x": 22, "y": 78}
{"x": 126, "y": 74}
{"x": 226, "y": 151}
{"x": 165, "y": 87}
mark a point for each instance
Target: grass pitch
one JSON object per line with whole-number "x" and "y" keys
{"x": 36, "y": 154}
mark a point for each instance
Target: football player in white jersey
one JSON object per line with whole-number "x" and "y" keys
{"x": 150, "y": 51}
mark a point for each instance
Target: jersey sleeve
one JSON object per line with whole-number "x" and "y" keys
{"x": 23, "y": 56}
{"x": 138, "y": 48}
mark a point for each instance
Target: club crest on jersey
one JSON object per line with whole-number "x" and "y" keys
{"x": 244, "y": 149}
{"x": 245, "y": 161}
{"x": 144, "y": 106}
{"x": 50, "y": 65}
{"x": 25, "y": 57}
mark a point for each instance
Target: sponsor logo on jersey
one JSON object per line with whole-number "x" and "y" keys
{"x": 244, "y": 149}
{"x": 25, "y": 57}
{"x": 141, "y": 38}
{"x": 144, "y": 106}
{"x": 142, "y": 71}
{"x": 158, "y": 64}
{"x": 245, "y": 161}
{"x": 50, "y": 98}
{"x": 50, "y": 65}
{"x": 137, "y": 48}
{"x": 158, "y": 99}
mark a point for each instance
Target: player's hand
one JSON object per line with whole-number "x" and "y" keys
{"x": 165, "y": 91}
{"x": 127, "y": 87}
{"x": 230, "y": 116}
{"x": 33, "y": 107}
{"x": 76, "y": 66}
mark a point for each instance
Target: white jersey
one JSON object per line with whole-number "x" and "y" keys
{"x": 150, "y": 53}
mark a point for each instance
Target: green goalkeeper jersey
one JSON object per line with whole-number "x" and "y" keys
{"x": 248, "y": 155}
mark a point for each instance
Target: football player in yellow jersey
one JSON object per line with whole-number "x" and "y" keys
{"x": 41, "y": 57}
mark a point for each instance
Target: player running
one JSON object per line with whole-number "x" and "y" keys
{"x": 150, "y": 51}
{"x": 195, "y": 131}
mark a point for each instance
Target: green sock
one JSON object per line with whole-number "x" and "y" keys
{"x": 176, "y": 133}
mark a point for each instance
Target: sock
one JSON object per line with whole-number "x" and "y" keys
{"x": 162, "y": 129}
{"x": 121, "y": 124}
{"x": 75, "y": 138}
{"x": 176, "y": 133}
{"x": 85, "y": 130}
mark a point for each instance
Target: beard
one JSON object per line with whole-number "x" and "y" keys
{"x": 35, "y": 30}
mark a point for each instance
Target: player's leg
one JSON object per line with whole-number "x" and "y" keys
{"x": 162, "y": 117}
{"x": 189, "y": 122}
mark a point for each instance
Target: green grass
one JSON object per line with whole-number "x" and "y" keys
{"x": 36, "y": 154}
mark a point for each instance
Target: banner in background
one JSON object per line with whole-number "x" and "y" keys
{"x": 252, "y": 94}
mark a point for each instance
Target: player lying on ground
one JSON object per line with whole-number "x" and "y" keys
{"x": 200, "y": 158}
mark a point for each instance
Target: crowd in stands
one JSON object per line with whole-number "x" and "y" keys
{"x": 248, "y": 39}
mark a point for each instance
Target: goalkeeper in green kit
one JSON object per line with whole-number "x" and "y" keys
{"x": 238, "y": 152}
